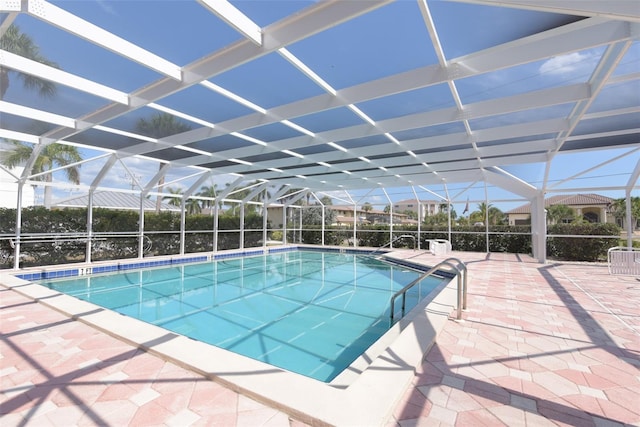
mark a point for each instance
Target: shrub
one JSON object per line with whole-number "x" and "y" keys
{"x": 580, "y": 248}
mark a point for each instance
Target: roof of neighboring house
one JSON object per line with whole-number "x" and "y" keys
{"x": 348, "y": 219}
{"x": 349, "y": 208}
{"x": 113, "y": 200}
{"x": 569, "y": 200}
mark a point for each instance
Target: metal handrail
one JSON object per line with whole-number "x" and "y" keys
{"x": 81, "y": 238}
{"x": 624, "y": 260}
{"x": 461, "y": 274}
{"x": 390, "y": 242}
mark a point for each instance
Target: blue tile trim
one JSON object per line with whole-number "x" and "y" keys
{"x": 123, "y": 266}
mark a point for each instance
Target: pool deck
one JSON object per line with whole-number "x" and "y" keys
{"x": 540, "y": 344}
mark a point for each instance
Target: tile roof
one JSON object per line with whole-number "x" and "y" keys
{"x": 567, "y": 199}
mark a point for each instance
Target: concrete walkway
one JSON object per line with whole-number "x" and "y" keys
{"x": 552, "y": 344}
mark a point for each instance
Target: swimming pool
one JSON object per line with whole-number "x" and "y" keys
{"x": 308, "y": 312}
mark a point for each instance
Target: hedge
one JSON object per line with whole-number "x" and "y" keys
{"x": 163, "y": 231}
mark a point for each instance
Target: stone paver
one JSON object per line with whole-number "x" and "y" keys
{"x": 540, "y": 345}
{"x": 555, "y": 344}
{"x": 107, "y": 383}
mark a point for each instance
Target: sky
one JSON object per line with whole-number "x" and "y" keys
{"x": 181, "y": 32}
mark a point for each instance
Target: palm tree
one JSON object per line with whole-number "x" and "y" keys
{"x": 560, "y": 213}
{"x": 241, "y": 194}
{"x": 52, "y": 155}
{"x": 193, "y": 206}
{"x": 495, "y": 216}
{"x": 173, "y": 201}
{"x": 619, "y": 209}
{"x": 14, "y": 41}
{"x": 209, "y": 191}
{"x": 444, "y": 208}
{"x": 159, "y": 126}
{"x": 479, "y": 216}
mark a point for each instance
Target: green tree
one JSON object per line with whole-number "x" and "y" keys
{"x": 313, "y": 216}
{"x": 444, "y": 207}
{"x": 249, "y": 208}
{"x": 51, "y": 156}
{"x": 619, "y": 209}
{"x": 440, "y": 218}
{"x": 209, "y": 191}
{"x": 557, "y": 214}
{"x": 14, "y": 41}
{"x": 174, "y": 199}
{"x": 495, "y": 216}
{"x": 161, "y": 125}
{"x": 193, "y": 206}
{"x": 367, "y": 207}
{"x": 410, "y": 214}
{"x": 326, "y": 200}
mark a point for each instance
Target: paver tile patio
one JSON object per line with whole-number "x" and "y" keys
{"x": 541, "y": 344}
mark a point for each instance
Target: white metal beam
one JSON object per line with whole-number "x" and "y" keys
{"x": 509, "y": 182}
{"x": 608, "y": 62}
{"x": 46, "y": 72}
{"x": 573, "y": 37}
{"x": 234, "y": 17}
{"x": 94, "y": 34}
{"x": 625, "y": 10}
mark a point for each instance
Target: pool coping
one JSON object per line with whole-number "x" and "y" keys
{"x": 367, "y": 399}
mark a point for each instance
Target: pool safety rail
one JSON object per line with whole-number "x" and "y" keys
{"x": 460, "y": 273}
{"x": 57, "y": 240}
{"x": 624, "y": 261}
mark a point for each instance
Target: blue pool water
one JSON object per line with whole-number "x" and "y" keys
{"x": 312, "y": 313}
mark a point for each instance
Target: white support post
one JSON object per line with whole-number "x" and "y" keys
{"x": 420, "y": 209}
{"x": 629, "y": 218}
{"x": 242, "y": 226}
{"x": 264, "y": 222}
{"x": 16, "y": 249}
{"x": 355, "y": 222}
{"x": 87, "y": 256}
{"x": 215, "y": 224}
{"x": 141, "y": 228}
{"x": 449, "y": 219}
{"x": 284, "y": 223}
{"x": 539, "y": 228}
{"x": 391, "y": 225}
{"x": 486, "y": 216}
{"x": 323, "y": 225}
{"x": 183, "y": 221}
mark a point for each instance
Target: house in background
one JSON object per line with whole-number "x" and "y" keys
{"x": 591, "y": 207}
{"x": 345, "y": 216}
{"x": 422, "y": 208}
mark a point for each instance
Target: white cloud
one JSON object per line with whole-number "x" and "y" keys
{"x": 572, "y": 63}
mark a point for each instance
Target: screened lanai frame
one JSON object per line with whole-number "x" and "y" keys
{"x": 298, "y": 113}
